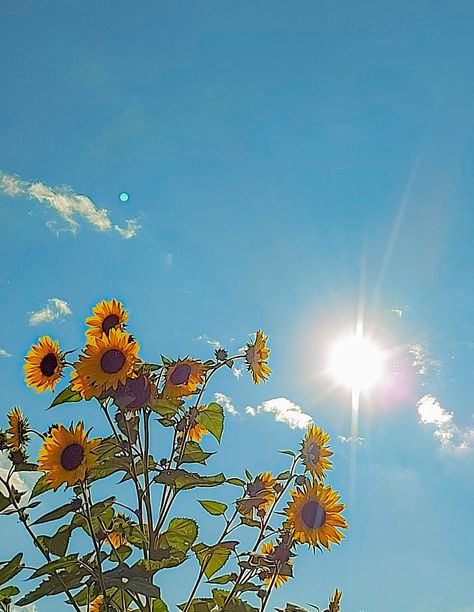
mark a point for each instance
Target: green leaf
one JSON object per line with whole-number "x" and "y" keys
{"x": 11, "y": 569}
{"x": 56, "y": 514}
{"x": 288, "y": 452}
{"x": 7, "y": 593}
{"x": 134, "y": 579}
{"x": 238, "y": 482}
{"x": 248, "y": 475}
{"x": 222, "y": 579}
{"x": 212, "y": 417}
{"x": 193, "y": 453}
{"x": 58, "y": 564}
{"x": 54, "y": 585}
{"x": 212, "y": 558}
{"x": 159, "y": 606}
{"x": 122, "y": 552}
{"x": 66, "y": 395}
{"x": 284, "y": 475}
{"x": 26, "y": 467}
{"x": 213, "y": 507}
{"x": 181, "y": 534}
{"x": 4, "y": 502}
{"x": 57, "y": 544}
{"x": 166, "y": 408}
{"x": 182, "y": 480}
{"x": 41, "y": 486}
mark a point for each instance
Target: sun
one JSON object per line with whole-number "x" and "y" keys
{"x": 356, "y": 362}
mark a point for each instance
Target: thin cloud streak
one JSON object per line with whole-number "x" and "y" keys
{"x": 68, "y": 205}
{"x": 54, "y": 309}
{"x": 452, "y": 437}
{"x": 226, "y": 403}
{"x": 5, "y": 354}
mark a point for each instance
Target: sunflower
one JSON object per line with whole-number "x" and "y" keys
{"x": 315, "y": 452}
{"x": 66, "y": 455}
{"x": 314, "y": 516}
{"x": 284, "y": 576}
{"x": 44, "y": 365}
{"x": 115, "y": 539}
{"x": 183, "y": 378}
{"x": 107, "y": 315}
{"x": 260, "y": 495}
{"x": 256, "y": 357}
{"x": 334, "y": 602}
{"x": 18, "y": 430}
{"x": 87, "y": 390}
{"x": 197, "y": 431}
{"x": 98, "y": 604}
{"x": 108, "y": 361}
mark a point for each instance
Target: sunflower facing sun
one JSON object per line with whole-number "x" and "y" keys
{"x": 107, "y": 315}
{"x": 107, "y": 362}
{"x": 183, "y": 378}
{"x": 17, "y": 433}
{"x": 44, "y": 365}
{"x": 67, "y": 455}
{"x": 314, "y": 516}
{"x": 315, "y": 452}
{"x": 256, "y": 356}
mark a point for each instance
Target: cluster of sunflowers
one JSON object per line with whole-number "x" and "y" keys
{"x": 130, "y": 548}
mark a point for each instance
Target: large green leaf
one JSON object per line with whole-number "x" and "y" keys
{"x": 66, "y": 395}
{"x": 212, "y": 558}
{"x": 4, "y": 502}
{"x": 58, "y": 543}
{"x": 54, "y": 515}
{"x": 213, "y": 507}
{"x": 166, "y": 408}
{"x": 11, "y": 569}
{"x": 7, "y": 593}
{"x": 159, "y": 606}
{"x": 53, "y": 585}
{"x": 58, "y": 564}
{"x": 41, "y": 486}
{"x": 181, "y": 534}
{"x": 193, "y": 453}
{"x": 181, "y": 479}
{"x": 212, "y": 417}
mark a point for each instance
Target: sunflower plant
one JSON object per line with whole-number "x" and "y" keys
{"x": 109, "y": 554}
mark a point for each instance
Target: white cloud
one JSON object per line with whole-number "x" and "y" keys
{"x": 397, "y": 313}
{"x": 16, "y": 479}
{"x": 68, "y": 205}
{"x": 451, "y": 436}
{"x": 226, "y": 402}
{"x": 205, "y": 338}
{"x": 237, "y": 372}
{"x": 29, "y": 608}
{"x": 423, "y": 360}
{"x": 350, "y": 440}
{"x": 4, "y": 353}
{"x": 285, "y": 411}
{"x": 54, "y": 309}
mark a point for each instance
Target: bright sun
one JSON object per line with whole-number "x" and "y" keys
{"x": 356, "y": 362}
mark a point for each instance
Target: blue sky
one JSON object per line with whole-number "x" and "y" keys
{"x": 288, "y": 166}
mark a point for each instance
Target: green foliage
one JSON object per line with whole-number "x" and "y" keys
{"x": 212, "y": 417}
{"x": 66, "y": 395}
{"x": 213, "y": 507}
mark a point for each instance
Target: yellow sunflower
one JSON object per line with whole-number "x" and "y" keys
{"x": 67, "y": 455}
{"x": 44, "y": 365}
{"x": 315, "y": 452}
{"x": 260, "y": 495}
{"x": 86, "y": 389}
{"x": 97, "y": 605}
{"x": 256, "y": 357}
{"x": 107, "y": 315}
{"x": 267, "y": 549}
{"x": 197, "y": 431}
{"x": 108, "y": 361}
{"x": 314, "y": 516}
{"x": 115, "y": 539}
{"x": 17, "y": 433}
{"x": 335, "y": 601}
{"x": 183, "y": 378}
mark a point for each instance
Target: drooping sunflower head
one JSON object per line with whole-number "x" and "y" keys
{"x": 183, "y": 378}
{"x": 116, "y": 537}
{"x": 335, "y": 601}
{"x": 135, "y": 393}
{"x": 314, "y": 516}
{"x": 256, "y": 356}
{"x": 44, "y": 365}
{"x": 67, "y": 455}
{"x": 260, "y": 495}
{"x": 17, "y": 433}
{"x": 196, "y": 432}
{"x": 107, "y": 315}
{"x": 97, "y": 604}
{"x": 315, "y": 452}
{"x": 108, "y": 361}
{"x": 284, "y": 573}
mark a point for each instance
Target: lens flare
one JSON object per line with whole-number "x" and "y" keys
{"x": 356, "y": 362}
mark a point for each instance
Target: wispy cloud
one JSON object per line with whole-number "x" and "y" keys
{"x": 284, "y": 410}
{"x": 226, "y": 402}
{"x": 397, "y": 313}
{"x": 350, "y": 440}
{"x": 29, "y": 608}
{"x": 422, "y": 360}
{"x": 208, "y": 340}
{"x": 169, "y": 259}
{"x": 4, "y": 353}
{"x": 451, "y": 436}
{"x": 16, "y": 480}
{"x": 68, "y": 205}
{"x": 54, "y": 309}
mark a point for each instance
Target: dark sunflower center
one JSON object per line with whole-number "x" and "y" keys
{"x": 112, "y": 361}
{"x": 314, "y": 452}
{"x": 49, "y": 364}
{"x": 313, "y": 515}
{"x": 72, "y": 456}
{"x": 109, "y": 323}
{"x": 180, "y": 375}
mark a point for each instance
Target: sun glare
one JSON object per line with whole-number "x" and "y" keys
{"x": 356, "y": 362}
